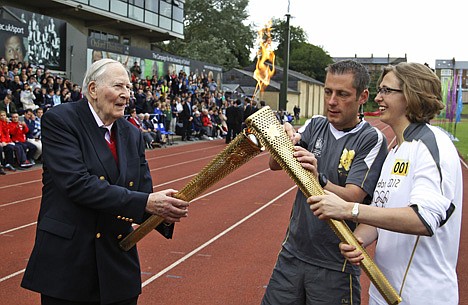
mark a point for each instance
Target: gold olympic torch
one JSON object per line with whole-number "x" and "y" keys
{"x": 243, "y": 148}
{"x": 268, "y": 130}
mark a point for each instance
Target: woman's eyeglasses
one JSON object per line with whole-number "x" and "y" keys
{"x": 387, "y": 90}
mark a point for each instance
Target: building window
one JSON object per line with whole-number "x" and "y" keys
{"x": 126, "y": 41}
{"x": 138, "y": 3}
{"x": 165, "y": 23}
{"x": 178, "y": 14}
{"x": 178, "y": 27}
{"x": 151, "y": 18}
{"x": 151, "y": 5}
{"x": 102, "y": 4}
{"x": 135, "y": 13}
{"x": 119, "y": 7}
{"x": 446, "y": 72}
{"x": 165, "y": 9}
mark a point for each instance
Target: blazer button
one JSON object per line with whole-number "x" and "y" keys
{"x": 130, "y": 183}
{"x": 119, "y": 236}
{"x": 119, "y": 217}
{"x": 126, "y": 218}
{"x": 130, "y": 220}
{"x": 98, "y": 235}
{"x": 102, "y": 178}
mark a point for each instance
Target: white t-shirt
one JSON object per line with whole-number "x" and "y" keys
{"x": 423, "y": 172}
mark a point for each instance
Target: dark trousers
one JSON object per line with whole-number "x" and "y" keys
{"x": 28, "y": 148}
{"x": 46, "y": 300}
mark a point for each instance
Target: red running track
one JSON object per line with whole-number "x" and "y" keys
{"x": 223, "y": 253}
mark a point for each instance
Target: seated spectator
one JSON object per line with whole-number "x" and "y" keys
{"x": 49, "y": 99}
{"x": 3, "y": 86}
{"x": 136, "y": 121}
{"x": 56, "y": 97}
{"x": 152, "y": 127}
{"x": 24, "y": 150}
{"x": 8, "y": 106}
{"x": 207, "y": 126}
{"x": 7, "y": 144}
{"x": 152, "y": 138}
{"x": 27, "y": 98}
{"x": 197, "y": 125}
{"x": 76, "y": 93}
{"x": 33, "y": 135}
{"x": 215, "y": 118}
{"x": 65, "y": 96}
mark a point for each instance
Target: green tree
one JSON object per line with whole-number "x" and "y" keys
{"x": 304, "y": 57}
{"x": 214, "y": 32}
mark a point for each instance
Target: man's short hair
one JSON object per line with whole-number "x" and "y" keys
{"x": 361, "y": 75}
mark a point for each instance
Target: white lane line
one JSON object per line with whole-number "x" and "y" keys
{"x": 184, "y": 258}
{"x": 12, "y": 275}
{"x": 18, "y": 228}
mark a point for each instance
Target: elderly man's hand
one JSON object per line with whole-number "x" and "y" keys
{"x": 165, "y": 205}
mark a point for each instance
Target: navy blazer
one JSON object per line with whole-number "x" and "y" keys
{"x": 88, "y": 205}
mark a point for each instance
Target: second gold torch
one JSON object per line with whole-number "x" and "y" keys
{"x": 268, "y": 130}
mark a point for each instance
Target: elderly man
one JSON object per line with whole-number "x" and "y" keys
{"x": 96, "y": 184}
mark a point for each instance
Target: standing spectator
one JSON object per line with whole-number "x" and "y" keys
{"x": 417, "y": 206}
{"x": 239, "y": 118}
{"x": 95, "y": 187}
{"x": 297, "y": 113}
{"x": 186, "y": 117}
{"x": 24, "y": 150}
{"x": 345, "y": 155}
{"x": 136, "y": 70}
{"x": 230, "y": 120}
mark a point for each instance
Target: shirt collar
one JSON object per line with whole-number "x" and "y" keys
{"x": 98, "y": 119}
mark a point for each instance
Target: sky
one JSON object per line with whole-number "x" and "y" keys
{"x": 423, "y": 30}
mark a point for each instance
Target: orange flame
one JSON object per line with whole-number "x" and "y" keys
{"x": 265, "y": 59}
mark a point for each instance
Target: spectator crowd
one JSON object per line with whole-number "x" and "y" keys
{"x": 191, "y": 106}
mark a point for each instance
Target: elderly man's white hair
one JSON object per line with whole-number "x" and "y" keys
{"x": 96, "y": 70}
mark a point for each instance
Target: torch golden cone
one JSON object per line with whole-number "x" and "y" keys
{"x": 268, "y": 130}
{"x": 243, "y": 148}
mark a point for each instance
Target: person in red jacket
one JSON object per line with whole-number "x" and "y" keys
{"x": 6, "y": 144}
{"x": 18, "y": 131}
{"x": 207, "y": 125}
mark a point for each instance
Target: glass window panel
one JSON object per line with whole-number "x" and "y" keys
{"x": 135, "y": 13}
{"x": 165, "y": 9}
{"x": 151, "y": 5}
{"x": 178, "y": 27}
{"x": 178, "y": 14}
{"x": 165, "y": 23}
{"x": 119, "y": 7}
{"x": 102, "y": 4}
{"x": 151, "y": 18}
{"x": 139, "y": 3}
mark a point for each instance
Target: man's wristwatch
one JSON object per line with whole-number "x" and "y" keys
{"x": 323, "y": 180}
{"x": 355, "y": 211}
